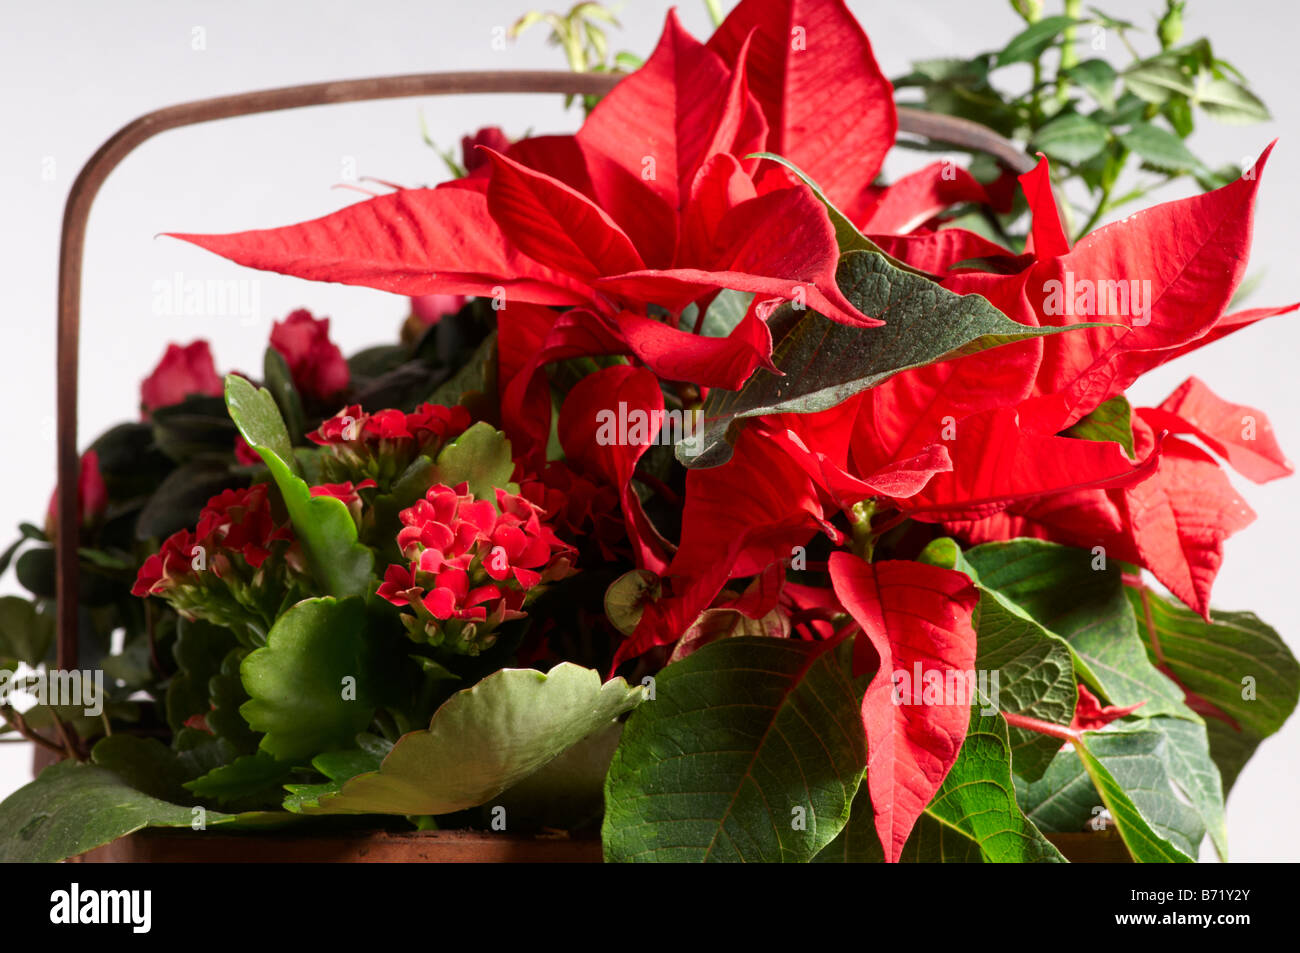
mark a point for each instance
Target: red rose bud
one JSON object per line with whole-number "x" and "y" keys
{"x": 471, "y": 566}
{"x": 182, "y": 372}
{"x": 430, "y": 309}
{"x": 92, "y": 494}
{"x": 316, "y": 365}
{"x": 473, "y": 158}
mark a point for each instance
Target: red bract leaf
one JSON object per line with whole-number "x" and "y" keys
{"x": 1047, "y": 237}
{"x": 1241, "y": 435}
{"x": 1082, "y": 518}
{"x": 1179, "y": 519}
{"x": 795, "y": 260}
{"x": 599, "y": 432}
{"x": 996, "y": 463}
{"x": 555, "y": 224}
{"x": 1187, "y": 258}
{"x": 710, "y": 362}
{"x": 829, "y": 108}
{"x": 412, "y": 242}
{"x": 1222, "y": 328}
{"x": 918, "y": 619}
{"x": 738, "y": 519}
{"x": 1091, "y": 715}
{"x": 662, "y": 122}
{"x": 918, "y": 197}
{"x": 937, "y": 252}
{"x": 672, "y": 354}
{"x": 898, "y": 480}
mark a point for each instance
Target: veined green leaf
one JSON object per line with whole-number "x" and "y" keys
{"x": 827, "y": 363}
{"x": 752, "y": 750}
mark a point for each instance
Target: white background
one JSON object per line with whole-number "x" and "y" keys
{"x": 74, "y": 72}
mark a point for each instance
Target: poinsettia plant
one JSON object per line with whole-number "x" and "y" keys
{"x": 764, "y": 510}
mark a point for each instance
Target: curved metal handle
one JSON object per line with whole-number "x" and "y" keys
{"x": 959, "y": 132}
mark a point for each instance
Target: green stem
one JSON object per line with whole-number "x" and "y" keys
{"x": 715, "y": 11}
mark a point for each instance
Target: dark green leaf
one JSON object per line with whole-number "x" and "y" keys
{"x": 1111, "y": 420}
{"x": 825, "y": 363}
{"x": 1236, "y": 663}
{"x": 752, "y": 749}
{"x": 1060, "y": 589}
{"x": 72, "y": 808}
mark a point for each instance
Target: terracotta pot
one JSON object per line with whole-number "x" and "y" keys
{"x": 417, "y": 847}
{"x": 1092, "y": 847}
{"x": 427, "y": 847}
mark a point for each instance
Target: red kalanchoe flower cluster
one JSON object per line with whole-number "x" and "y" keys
{"x": 182, "y": 372}
{"x": 235, "y": 568}
{"x": 471, "y": 566}
{"x": 578, "y": 507}
{"x": 380, "y": 446}
{"x": 316, "y": 365}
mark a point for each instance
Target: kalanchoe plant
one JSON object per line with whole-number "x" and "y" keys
{"x": 701, "y": 440}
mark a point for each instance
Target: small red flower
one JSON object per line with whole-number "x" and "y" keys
{"x": 1091, "y": 715}
{"x": 92, "y": 494}
{"x": 182, "y": 372}
{"x": 473, "y": 158}
{"x": 431, "y": 309}
{"x": 244, "y": 453}
{"x": 316, "y": 364}
{"x": 344, "y": 492}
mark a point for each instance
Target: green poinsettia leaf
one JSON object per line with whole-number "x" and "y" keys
{"x": 1059, "y": 588}
{"x": 340, "y": 565}
{"x": 485, "y": 739}
{"x": 1236, "y": 665}
{"x": 316, "y": 683}
{"x": 1111, "y": 420}
{"x": 1125, "y": 773}
{"x": 752, "y": 749}
{"x": 973, "y": 817}
{"x": 1035, "y": 669}
{"x": 825, "y": 363}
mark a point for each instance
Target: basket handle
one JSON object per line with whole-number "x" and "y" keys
{"x": 959, "y": 132}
